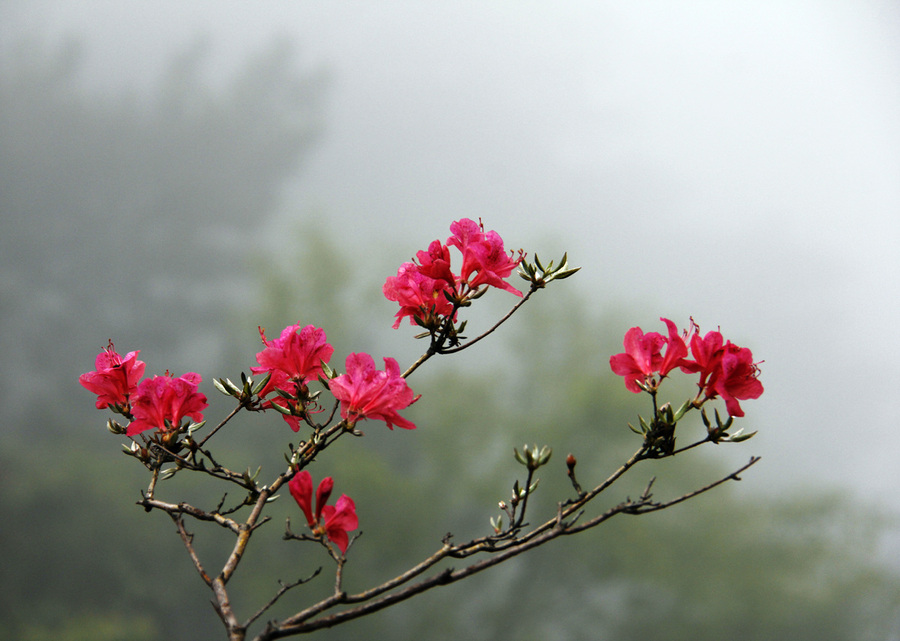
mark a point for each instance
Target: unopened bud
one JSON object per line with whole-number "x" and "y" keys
{"x": 571, "y": 462}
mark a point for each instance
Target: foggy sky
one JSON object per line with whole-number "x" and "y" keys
{"x": 737, "y": 164}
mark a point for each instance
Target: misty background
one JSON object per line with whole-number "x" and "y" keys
{"x": 173, "y": 175}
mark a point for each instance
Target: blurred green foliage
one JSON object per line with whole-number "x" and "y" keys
{"x": 81, "y": 560}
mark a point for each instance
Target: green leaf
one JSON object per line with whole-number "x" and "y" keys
{"x": 519, "y": 457}
{"x": 565, "y": 274}
{"x": 683, "y": 409}
{"x": 219, "y": 385}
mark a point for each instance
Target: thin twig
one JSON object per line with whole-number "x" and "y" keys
{"x": 184, "y": 508}
{"x": 188, "y": 540}
{"x": 505, "y": 318}
{"x": 281, "y": 590}
{"x": 220, "y": 425}
{"x": 304, "y": 622}
{"x": 436, "y": 346}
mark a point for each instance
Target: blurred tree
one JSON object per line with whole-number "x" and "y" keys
{"x": 135, "y": 212}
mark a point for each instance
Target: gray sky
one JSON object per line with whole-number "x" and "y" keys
{"x": 735, "y": 162}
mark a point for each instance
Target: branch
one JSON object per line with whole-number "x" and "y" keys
{"x": 188, "y": 540}
{"x": 281, "y": 590}
{"x": 379, "y": 597}
{"x": 436, "y": 346}
{"x": 184, "y": 508}
{"x": 221, "y": 424}
{"x": 512, "y": 311}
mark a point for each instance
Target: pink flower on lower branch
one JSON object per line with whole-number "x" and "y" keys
{"x": 114, "y": 379}
{"x": 162, "y": 402}
{"x": 365, "y": 392}
{"x": 334, "y": 521}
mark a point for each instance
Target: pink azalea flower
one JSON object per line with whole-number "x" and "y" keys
{"x": 114, "y": 379}
{"x": 365, "y": 392}
{"x": 339, "y": 519}
{"x": 296, "y": 356}
{"x": 483, "y": 255}
{"x": 676, "y": 349}
{"x": 736, "y": 378}
{"x": 435, "y": 263}
{"x": 707, "y": 353}
{"x": 423, "y": 289}
{"x": 162, "y": 402}
{"x": 291, "y": 360}
{"x": 420, "y": 296}
{"x": 643, "y": 355}
{"x": 725, "y": 370}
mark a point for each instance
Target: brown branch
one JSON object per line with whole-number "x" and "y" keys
{"x": 436, "y": 346}
{"x": 184, "y": 508}
{"x": 505, "y": 318}
{"x": 188, "y": 540}
{"x": 284, "y": 587}
{"x": 554, "y": 528}
{"x": 221, "y": 424}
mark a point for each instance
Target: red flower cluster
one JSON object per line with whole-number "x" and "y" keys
{"x": 334, "y": 521}
{"x": 114, "y": 379}
{"x": 163, "y": 401}
{"x": 425, "y": 290}
{"x": 365, "y": 392}
{"x": 160, "y": 402}
{"x": 726, "y": 370}
{"x": 292, "y": 359}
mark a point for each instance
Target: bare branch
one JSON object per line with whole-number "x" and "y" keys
{"x": 505, "y": 318}
{"x": 380, "y": 597}
{"x": 284, "y": 587}
{"x": 222, "y": 423}
{"x": 188, "y": 540}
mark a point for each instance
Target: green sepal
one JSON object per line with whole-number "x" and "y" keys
{"x": 259, "y": 385}
{"x": 565, "y": 274}
{"x": 544, "y": 456}
{"x": 519, "y": 457}
{"x": 644, "y": 426}
{"x": 683, "y": 409}
{"x": 226, "y": 387}
{"x": 193, "y": 427}
{"x": 282, "y": 410}
{"x": 167, "y": 473}
{"x": 738, "y": 437}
